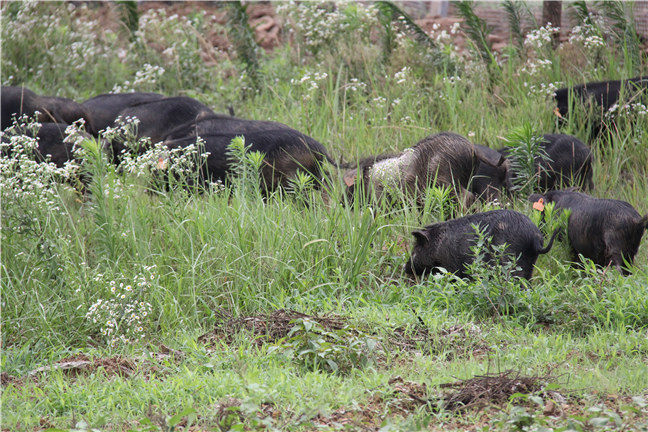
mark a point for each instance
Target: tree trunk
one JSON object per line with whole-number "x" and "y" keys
{"x": 552, "y": 13}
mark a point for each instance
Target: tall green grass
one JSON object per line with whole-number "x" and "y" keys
{"x": 307, "y": 250}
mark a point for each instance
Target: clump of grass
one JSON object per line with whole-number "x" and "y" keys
{"x": 526, "y": 154}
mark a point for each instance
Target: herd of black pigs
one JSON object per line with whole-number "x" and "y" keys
{"x": 606, "y": 231}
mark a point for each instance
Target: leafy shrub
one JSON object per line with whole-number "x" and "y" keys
{"x": 309, "y": 344}
{"x": 525, "y": 153}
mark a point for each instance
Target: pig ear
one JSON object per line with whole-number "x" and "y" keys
{"x": 492, "y": 161}
{"x": 202, "y": 115}
{"x": 421, "y": 237}
{"x": 350, "y": 177}
{"x": 643, "y": 222}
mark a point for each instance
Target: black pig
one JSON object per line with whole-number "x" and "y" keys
{"x": 490, "y": 180}
{"x": 285, "y": 151}
{"x": 569, "y": 163}
{"x": 51, "y": 145}
{"x": 448, "y": 244}
{"x": 220, "y": 124}
{"x": 606, "y": 231}
{"x": 20, "y": 100}
{"x": 105, "y": 108}
{"x": 159, "y": 117}
{"x": 445, "y": 159}
{"x": 603, "y": 94}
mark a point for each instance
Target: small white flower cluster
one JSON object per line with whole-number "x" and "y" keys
{"x": 125, "y": 131}
{"x": 379, "y": 102}
{"x": 355, "y": 85}
{"x": 587, "y": 35}
{"x": 532, "y": 68}
{"x": 402, "y": 75}
{"x": 123, "y": 316}
{"x": 179, "y": 163}
{"x": 628, "y": 110}
{"x": 543, "y": 89}
{"x": 541, "y": 38}
{"x": 26, "y": 181}
{"x": 77, "y": 50}
{"x": 444, "y": 37}
{"x": 75, "y": 134}
{"x": 145, "y": 78}
{"x": 319, "y": 24}
{"x": 452, "y": 80}
{"x": 310, "y": 80}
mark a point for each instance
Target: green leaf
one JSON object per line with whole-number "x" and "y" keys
{"x": 173, "y": 421}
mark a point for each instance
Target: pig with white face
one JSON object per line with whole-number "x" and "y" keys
{"x": 444, "y": 159}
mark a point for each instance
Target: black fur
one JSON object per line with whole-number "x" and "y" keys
{"x": 445, "y": 159}
{"x": 105, "y": 108}
{"x": 20, "y": 100}
{"x": 490, "y": 181}
{"x": 285, "y": 150}
{"x": 448, "y": 244}
{"x": 606, "y": 231}
{"x": 220, "y": 124}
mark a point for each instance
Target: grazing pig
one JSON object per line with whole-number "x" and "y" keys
{"x": 20, "y": 100}
{"x": 220, "y": 124}
{"x": 604, "y": 94}
{"x": 159, "y": 117}
{"x": 445, "y": 159}
{"x": 569, "y": 163}
{"x": 105, "y": 108}
{"x": 490, "y": 180}
{"x": 448, "y": 244}
{"x": 51, "y": 145}
{"x": 606, "y": 231}
{"x": 285, "y": 151}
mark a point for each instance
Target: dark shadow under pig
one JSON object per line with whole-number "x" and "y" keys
{"x": 448, "y": 244}
{"x": 607, "y": 231}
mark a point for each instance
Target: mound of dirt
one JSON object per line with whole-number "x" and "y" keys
{"x": 265, "y": 328}
{"x": 473, "y": 393}
{"x": 82, "y": 364}
{"x": 489, "y": 389}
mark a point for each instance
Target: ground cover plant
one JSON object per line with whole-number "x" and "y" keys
{"x": 132, "y": 301}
